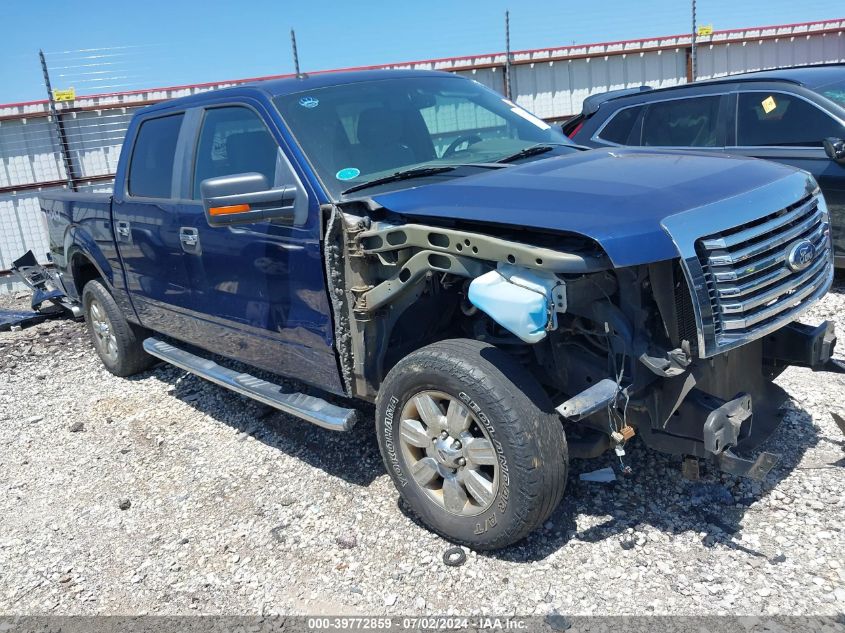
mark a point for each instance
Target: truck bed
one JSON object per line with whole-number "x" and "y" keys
{"x": 78, "y": 218}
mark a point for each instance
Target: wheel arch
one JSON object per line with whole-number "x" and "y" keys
{"x": 84, "y": 269}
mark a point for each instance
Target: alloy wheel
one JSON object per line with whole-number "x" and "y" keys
{"x": 449, "y": 452}
{"x": 101, "y": 326}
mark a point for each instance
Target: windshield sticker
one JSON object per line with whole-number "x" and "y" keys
{"x": 348, "y": 173}
{"x": 309, "y": 102}
{"x": 768, "y": 104}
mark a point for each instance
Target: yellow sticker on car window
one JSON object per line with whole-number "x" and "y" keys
{"x": 768, "y": 104}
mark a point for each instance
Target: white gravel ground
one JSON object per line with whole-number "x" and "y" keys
{"x": 231, "y": 508}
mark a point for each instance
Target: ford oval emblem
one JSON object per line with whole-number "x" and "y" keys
{"x": 801, "y": 255}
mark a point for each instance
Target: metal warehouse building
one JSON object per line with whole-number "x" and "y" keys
{"x": 551, "y": 82}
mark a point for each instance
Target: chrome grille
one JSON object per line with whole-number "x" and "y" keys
{"x": 749, "y": 280}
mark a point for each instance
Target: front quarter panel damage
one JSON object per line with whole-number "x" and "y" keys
{"x": 379, "y": 270}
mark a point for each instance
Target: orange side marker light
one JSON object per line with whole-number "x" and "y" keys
{"x": 235, "y": 208}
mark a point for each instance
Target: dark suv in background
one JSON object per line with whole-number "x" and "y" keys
{"x": 794, "y": 116}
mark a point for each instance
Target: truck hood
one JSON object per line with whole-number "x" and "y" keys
{"x": 617, "y": 197}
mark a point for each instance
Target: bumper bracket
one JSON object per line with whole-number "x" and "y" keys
{"x": 732, "y": 463}
{"x": 723, "y": 426}
{"x": 803, "y": 345}
{"x": 724, "y": 429}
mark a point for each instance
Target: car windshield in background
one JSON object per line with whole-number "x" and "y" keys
{"x": 834, "y": 91}
{"x": 359, "y": 132}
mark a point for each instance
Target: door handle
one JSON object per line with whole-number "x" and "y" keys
{"x": 190, "y": 239}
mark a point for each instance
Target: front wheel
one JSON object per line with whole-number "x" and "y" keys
{"x": 472, "y": 443}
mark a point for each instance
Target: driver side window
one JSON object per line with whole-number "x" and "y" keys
{"x": 235, "y": 140}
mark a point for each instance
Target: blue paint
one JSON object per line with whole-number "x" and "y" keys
{"x": 236, "y": 299}
{"x": 615, "y": 197}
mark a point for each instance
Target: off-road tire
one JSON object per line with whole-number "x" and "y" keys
{"x": 526, "y": 432}
{"x": 130, "y": 357}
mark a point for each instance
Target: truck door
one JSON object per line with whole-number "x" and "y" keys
{"x": 146, "y": 226}
{"x": 258, "y": 289}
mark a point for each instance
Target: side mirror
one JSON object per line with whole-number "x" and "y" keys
{"x": 245, "y": 198}
{"x": 835, "y": 149}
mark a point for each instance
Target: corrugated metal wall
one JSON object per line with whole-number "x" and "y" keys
{"x": 21, "y": 227}
{"x": 771, "y": 47}
{"x": 552, "y": 83}
{"x": 556, "y": 89}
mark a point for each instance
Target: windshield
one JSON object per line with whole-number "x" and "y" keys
{"x": 834, "y": 91}
{"x": 354, "y": 133}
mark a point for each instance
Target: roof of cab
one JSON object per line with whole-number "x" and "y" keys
{"x": 292, "y": 85}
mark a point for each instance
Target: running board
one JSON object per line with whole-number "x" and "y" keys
{"x": 314, "y": 410}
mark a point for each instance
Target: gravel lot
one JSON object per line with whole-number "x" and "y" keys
{"x": 165, "y": 494}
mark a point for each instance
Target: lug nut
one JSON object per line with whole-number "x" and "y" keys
{"x": 456, "y": 445}
{"x": 462, "y": 462}
{"x": 444, "y": 435}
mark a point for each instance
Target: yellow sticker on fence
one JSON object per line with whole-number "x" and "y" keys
{"x": 705, "y": 30}
{"x": 64, "y": 95}
{"x": 768, "y": 104}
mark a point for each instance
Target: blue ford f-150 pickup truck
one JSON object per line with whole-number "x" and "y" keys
{"x": 506, "y": 299}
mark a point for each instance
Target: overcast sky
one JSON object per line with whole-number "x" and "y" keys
{"x": 170, "y": 42}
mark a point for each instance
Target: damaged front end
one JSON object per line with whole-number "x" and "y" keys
{"x": 727, "y": 313}
{"x": 681, "y": 352}
{"x": 716, "y": 407}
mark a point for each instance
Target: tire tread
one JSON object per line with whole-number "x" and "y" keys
{"x": 541, "y": 462}
{"x": 132, "y": 359}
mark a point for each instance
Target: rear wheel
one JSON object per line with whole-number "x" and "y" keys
{"x": 118, "y": 343}
{"x": 472, "y": 443}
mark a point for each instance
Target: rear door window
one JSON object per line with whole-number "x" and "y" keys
{"x": 689, "y": 122}
{"x": 151, "y": 167}
{"x": 235, "y": 140}
{"x": 780, "y": 119}
{"x": 623, "y": 128}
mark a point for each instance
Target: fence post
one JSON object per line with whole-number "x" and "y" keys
{"x": 295, "y": 52}
{"x": 692, "y": 48}
{"x": 508, "y": 93}
{"x": 60, "y": 126}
